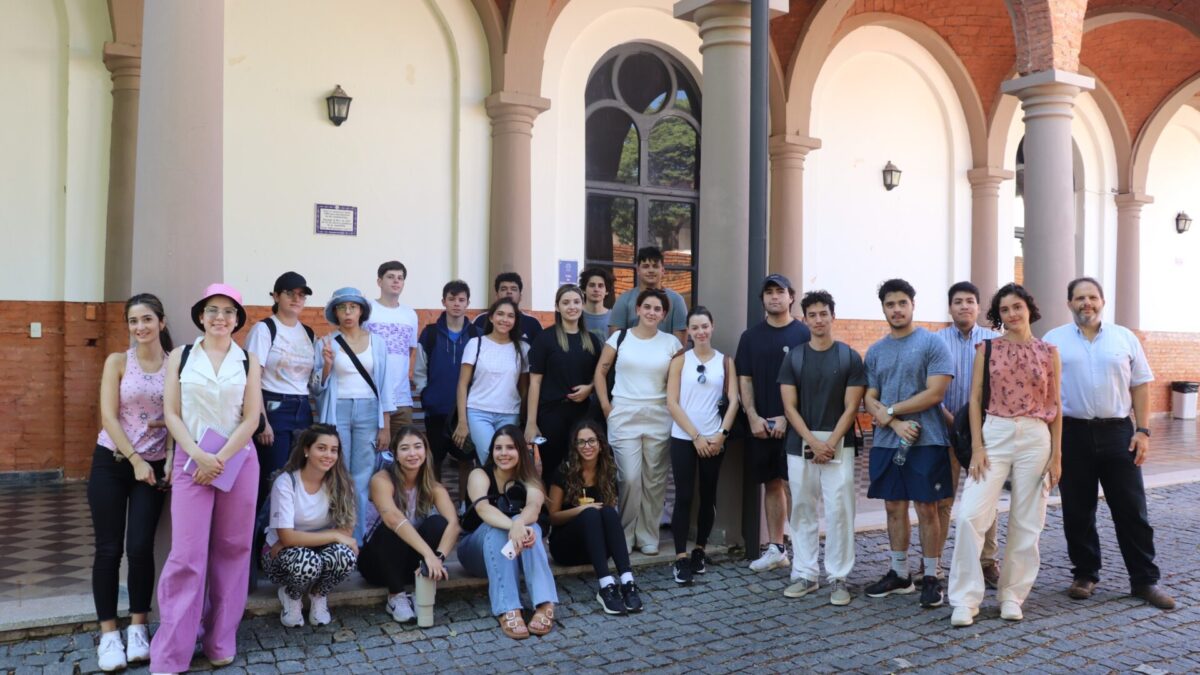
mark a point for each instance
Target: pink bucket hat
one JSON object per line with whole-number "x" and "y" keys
{"x": 227, "y": 291}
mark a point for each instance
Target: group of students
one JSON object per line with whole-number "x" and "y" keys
{"x": 610, "y": 401}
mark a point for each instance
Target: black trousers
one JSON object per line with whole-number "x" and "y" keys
{"x": 440, "y": 445}
{"x": 124, "y": 511}
{"x": 385, "y": 560}
{"x": 685, "y": 465}
{"x": 593, "y": 537}
{"x": 1097, "y": 453}
{"x": 556, "y": 420}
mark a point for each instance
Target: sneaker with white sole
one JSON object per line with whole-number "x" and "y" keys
{"x": 1010, "y": 610}
{"x": 840, "y": 595}
{"x": 800, "y": 588}
{"x": 110, "y": 655}
{"x": 401, "y": 609}
{"x": 137, "y": 644}
{"x": 772, "y": 558}
{"x": 963, "y": 616}
{"x": 292, "y": 614}
{"x": 318, "y": 610}
{"x": 890, "y": 584}
{"x": 649, "y": 550}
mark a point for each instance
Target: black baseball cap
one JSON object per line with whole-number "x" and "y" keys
{"x": 290, "y": 281}
{"x": 775, "y": 280}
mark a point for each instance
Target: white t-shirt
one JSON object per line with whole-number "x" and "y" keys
{"x": 292, "y": 508}
{"x": 350, "y": 384}
{"x": 497, "y": 370}
{"x": 642, "y": 366}
{"x": 288, "y": 362}
{"x": 398, "y": 328}
{"x": 699, "y": 400}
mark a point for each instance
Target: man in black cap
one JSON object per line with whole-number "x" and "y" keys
{"x": 760, "y": 353}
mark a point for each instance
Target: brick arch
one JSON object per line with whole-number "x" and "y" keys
{"x": 1143, "y": 147}
{"x": 1048, "y": 34}
{"x": 1184, "y": 13}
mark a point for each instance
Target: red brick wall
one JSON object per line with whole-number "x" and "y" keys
{"x": 786, "y": 29}
{"x": 1186, "y": 10}
{"x": 1172, "y": 356}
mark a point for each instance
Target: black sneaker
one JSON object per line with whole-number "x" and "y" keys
{"x": 629, "y": 595}
{"x": 698, "y": 561}
{"x": 891, "y": 583}
{"x": 931, "y": 592}
{"x": 610, "y": 600}
{"x": 683, "y": 571}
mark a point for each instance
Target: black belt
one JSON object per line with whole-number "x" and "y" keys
{"x": 272, "y": 396}
{"x": 1098, "y": 421}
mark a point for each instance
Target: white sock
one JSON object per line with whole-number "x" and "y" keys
{"x": 900, "y": 563}
{"x": 115, "y": 633}
{"x": 607, "y": 581}
{"x": 931, "y": 566}
{"x": 626, "y": 577}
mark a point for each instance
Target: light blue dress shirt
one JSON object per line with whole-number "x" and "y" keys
{"x": 1098, "y": 374}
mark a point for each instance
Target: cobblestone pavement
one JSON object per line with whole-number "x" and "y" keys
{"x": 735, "y": 620}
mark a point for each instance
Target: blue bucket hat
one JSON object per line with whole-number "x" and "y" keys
{"x": 347, "y": 294}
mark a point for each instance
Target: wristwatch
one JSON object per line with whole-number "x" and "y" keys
{"x": 891, "y": 411}
{"x": 724, "y": 432}
{"x": 1142, "y": 430}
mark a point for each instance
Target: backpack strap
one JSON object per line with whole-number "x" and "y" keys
{"x": 341, "y": 340}
{"x": 987, "y": 368}
{"x": 187, "y": 351}
{"x": 312, "y": 336}
{"x": 272, "y": 328}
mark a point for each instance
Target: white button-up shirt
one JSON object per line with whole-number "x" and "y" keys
{"x": 1098, "y": 374}
{"x": 962, "y": 353}
{"x": 209, "y": 398}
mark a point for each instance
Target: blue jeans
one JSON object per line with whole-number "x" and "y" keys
{"x": 287, "y": 414}
{"x": 358, "y": 428}
{"x": 483, "y": 426}
{"x": 480, "y": 556}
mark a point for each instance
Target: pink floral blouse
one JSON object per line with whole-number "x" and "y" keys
{"x": 1022, "y": 380}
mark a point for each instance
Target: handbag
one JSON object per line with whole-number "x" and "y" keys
{"x": 510, "y": 501}
{"x": 960, "y": 435}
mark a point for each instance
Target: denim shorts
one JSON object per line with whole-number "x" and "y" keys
{"x": 924, "y": 477}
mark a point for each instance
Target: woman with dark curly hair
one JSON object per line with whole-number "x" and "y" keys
{"x": 1020, "y": 441}
{"x": 587, "y": 527}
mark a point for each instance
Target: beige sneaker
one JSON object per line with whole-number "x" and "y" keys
{"x": 801, "y": 588}
{"x": 840, "y": 595}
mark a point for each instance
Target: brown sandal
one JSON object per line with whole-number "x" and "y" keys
{"x": 513, "y": 625}
{"x": 542, "y": 621}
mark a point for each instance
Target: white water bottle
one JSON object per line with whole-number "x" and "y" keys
{"x": 425, "y": 590}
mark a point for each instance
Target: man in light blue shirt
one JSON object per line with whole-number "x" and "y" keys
{"x": 961, "y": 337}
{"x": 1104, "y": 375}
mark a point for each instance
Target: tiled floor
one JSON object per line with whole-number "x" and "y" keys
{"x": 46, "y": 535}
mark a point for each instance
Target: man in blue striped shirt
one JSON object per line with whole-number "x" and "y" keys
{"x": 961, "y": 338}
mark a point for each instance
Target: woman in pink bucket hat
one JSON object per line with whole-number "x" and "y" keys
{"x": 204, "y": 582}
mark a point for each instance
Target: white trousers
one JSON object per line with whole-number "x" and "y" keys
{"x": 639, "y": 435}
{"x": 832, "y": 485}
{"x": 1018, "y": 449}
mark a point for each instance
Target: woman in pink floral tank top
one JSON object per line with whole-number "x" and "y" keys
{"x": 1016, "y": 436}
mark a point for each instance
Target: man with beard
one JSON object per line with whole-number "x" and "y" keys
{"x": 907, "y": 375}
{"x": 1104, "y": 375}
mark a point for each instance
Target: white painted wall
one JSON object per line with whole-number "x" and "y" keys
{"x": 880, "y": 96}
{"x": 1170, "y": 262}
{"x": 414, "y": 155}
{"x": 54, "y": 129}
{"x": 582, "y": 34}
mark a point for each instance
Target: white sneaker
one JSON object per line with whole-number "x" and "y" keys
{"x": 649, "y": 550}
{"x": 293, "y": 610}
{"x": 318, "y": 610}
{"x": 401, "y": 609}
{"x": 137, "y": 644}
{"x": 772, "y": 558}
{"x": 1010, "y": 610}
{"x": 963, "y": 616}
{"x": 110, "y": 655}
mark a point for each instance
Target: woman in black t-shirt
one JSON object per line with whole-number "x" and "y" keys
{"x": 587, "y": 527}
{"x": 562, "y": 362}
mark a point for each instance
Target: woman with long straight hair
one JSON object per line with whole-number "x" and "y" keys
{"x": 126, "y": 487}
{"x": 587, "y": 527}
{"x": 493, "y": 379}
{"x": 1019, "y": 442}
{"x": 698, "y": 381}
{"x": 413, "y": 521}
{"x": 639, "y": 424}
{"x": 212, "y": 398}
{"x": 562, "y": 363}
{"x": 310, "y": 537}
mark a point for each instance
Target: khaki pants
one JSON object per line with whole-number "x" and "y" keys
{"x": 639, "y": 435}
{"x": 401, "y": 417}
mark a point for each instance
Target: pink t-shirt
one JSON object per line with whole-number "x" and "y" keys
{"x": 1022, "y": 379}
{"x": 141, "y": 402}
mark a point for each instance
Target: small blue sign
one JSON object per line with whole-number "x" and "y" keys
{"x": 568, "y": 272}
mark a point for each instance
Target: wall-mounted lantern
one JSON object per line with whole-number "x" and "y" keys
{"x": 339, "y": 106}
{"x": 1182, "y": 222}
{"x": 891, "y": 176}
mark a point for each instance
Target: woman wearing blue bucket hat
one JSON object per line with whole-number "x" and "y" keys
{"x": 351, "y": 367}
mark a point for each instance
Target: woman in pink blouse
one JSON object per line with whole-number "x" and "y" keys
{"x": 1019, "y": 440}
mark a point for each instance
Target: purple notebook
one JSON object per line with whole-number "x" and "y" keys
{"x": 212, "y": 442}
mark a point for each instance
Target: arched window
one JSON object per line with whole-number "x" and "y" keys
{"x": 643, "y": 165}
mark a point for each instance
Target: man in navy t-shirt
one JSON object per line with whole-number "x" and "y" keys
{"x": 761, "y": 351}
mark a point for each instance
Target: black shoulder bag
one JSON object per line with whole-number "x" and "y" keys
{"x": 960, "y": 436}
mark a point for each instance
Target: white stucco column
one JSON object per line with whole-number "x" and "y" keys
{"x": 509, "y": 239}
{"x": 177, "y": 215}
{"x": 124, "y": 62}
{"x": 1129, "y": 264}
{"x": 787, "y": 205}
{"x": 1048, "y": 99}
{"x": 985, "y": 210}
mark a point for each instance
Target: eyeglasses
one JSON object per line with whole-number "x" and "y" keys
{"x": 346, "y": 307}
{"x": 701, "y": 378}
{"x": 587, "y": 442}
{"x": 214, "y": 312}
{"x": 297, "y": 294}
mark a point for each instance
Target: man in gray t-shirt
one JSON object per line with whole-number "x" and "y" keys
{"x": 650, "y": 275}
{"x": 821, "y": 383}
{"x": 907, "y": 375}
